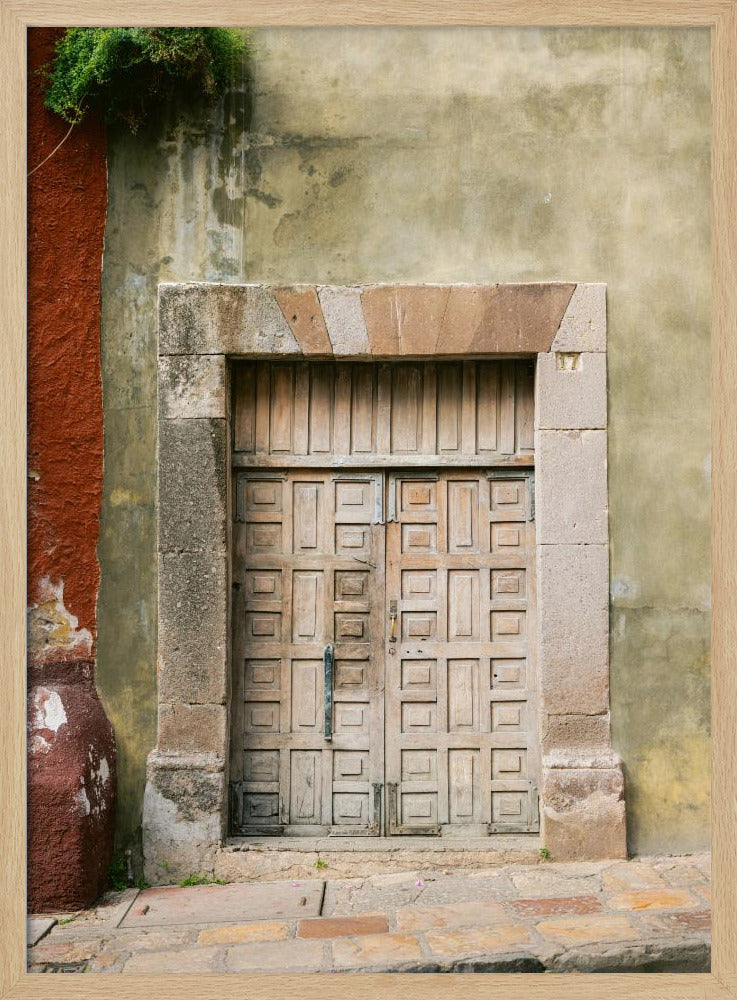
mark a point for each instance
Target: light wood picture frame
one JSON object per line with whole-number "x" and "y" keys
{"x": 16, "y": 16}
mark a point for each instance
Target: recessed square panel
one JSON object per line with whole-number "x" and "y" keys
{"x": 350, "y": 765}
{"x": 264, "y": 539}
{"x": 508, "y": 499}
{"x": 507, "y": 538}
{"x": 419, "y": 538}
{"x": 261, "y": 765}
{"x": 419, "y": 584}
{"x": 510, "y": 809}
{"x": 508, "y": 626}
{"x": 508, "y": 716}
{"x": 350, "y": 674}
{"x": 508, "y": 584}
{"x": 263, "y": 496}
{"x": 508, "y": 764}
{"x": 419, "y": 675}
{"x": 508, "y": 674}
{"x": 419, "y": 717}
{"x": 419, "y": 625}
{"x": 261, "y": 716}
{"x": 419, "y": 809}
{"x": 263, "y": 626}
{"x": 419, "y": 765}
{"x": 263, "y": 585}
{"x": 352, "y": 540}
{"x": 352, "y": 586}
{"x": 418, "y": 495}
{"x": 262, "y": 675}
{"x": 350, "y": 809}
{"x": 354, "y": 500}
{"x": 351, "y": 627}
{"x": 350, "y": 717}
{"x": 260, "y": 808}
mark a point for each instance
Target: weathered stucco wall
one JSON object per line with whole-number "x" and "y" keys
{"x": 451, "y": 155}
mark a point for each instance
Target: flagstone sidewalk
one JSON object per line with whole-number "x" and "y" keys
{"x": 649, "y": 914}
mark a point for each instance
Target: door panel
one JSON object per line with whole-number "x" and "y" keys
{"x": 461, "y": 743}
{"x": 308, "y": 571}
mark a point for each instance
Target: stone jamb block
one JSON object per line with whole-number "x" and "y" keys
{"x": 582, "y": 812}
{"x": 193, "y": 626}
{"x": 570, "y": 391}
{"x": 183, "y": 814}
{"x": 574, "y": 633}
{"x": 193, "y": 485}
{"x": 185, "y": 728}
{"x": 571, "y": 500}
{"x": 192, "y": 386}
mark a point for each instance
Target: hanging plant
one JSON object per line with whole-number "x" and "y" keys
{"x": 125, "y": 73}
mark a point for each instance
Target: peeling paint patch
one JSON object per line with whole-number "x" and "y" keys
{"x": 52, "y": 628}
{"x": 83, "y": 803}
{"x": 46, "y": 718}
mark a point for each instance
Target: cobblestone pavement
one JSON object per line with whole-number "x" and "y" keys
{"x": 650, "y": 914}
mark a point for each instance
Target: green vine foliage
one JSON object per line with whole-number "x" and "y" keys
{"x": 124, "y": 73}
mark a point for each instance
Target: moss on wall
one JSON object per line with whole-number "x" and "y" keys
{"x": 361, "y": 155}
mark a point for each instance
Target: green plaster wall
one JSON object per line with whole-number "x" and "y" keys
{"x": 475, "y": 155}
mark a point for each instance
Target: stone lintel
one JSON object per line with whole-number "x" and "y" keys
{"x": 380, "y": 321}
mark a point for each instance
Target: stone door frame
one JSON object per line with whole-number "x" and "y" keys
{"x": 202, "y": 327}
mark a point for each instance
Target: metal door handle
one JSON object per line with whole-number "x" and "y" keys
{"x": 327, "y": 660}
{"x": 392, "y": 621}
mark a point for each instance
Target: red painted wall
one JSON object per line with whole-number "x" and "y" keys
{"x": 67, "y": 201}
{"x": 71, "y": 746}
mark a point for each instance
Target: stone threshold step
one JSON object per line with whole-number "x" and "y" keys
{"x": 501, "y": 844}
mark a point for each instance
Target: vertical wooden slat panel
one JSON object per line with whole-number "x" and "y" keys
{"x": 282, "y": 401}
{"x": 524, "y": 405}
{"x": 244, "y": 417}
{"x": 383, "y": 410}
{"x": 342, "y": 424}
{"x": 301, "y": 408}
{"x": 263, "y": 407}
{"x": 406, "y": 409}
{"x": 321, "y": 408}
{"x": 506, "y": 410}
{"x": 362, "y": 409}
{"x": 429, "y": 409}
{"x": 487, "y": 401}
{"x": 449, "y": 408}
{"x": 468, "y": 409}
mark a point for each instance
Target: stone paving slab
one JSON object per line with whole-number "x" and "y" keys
{"x": 638, "y": 916}
{"x": 37, "y": 928}
{"x": 241, "y": 902}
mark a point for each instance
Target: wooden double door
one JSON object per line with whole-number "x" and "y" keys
{"x": 383, "y": 653}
